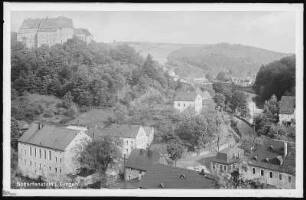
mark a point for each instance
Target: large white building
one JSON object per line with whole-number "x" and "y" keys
{"x": 184, "y": 100}
{"x": 49, "y": 31}
{"x": 50, "y": 151}
{"x": 131, "y": 136}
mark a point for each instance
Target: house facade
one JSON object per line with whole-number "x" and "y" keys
{"x": 227, "y": 160}
{"x": 50, "y": 151}
{"x": 184, "y": 100}
{"x": 83, "y": 34}
{"x": 49, "y": 31}
{"x": 286, "y": 109}
{"x": 273, "y": 163}
{"x": 131, "y": 136}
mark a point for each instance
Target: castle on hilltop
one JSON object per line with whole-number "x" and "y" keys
{"x": 50, "y": 31}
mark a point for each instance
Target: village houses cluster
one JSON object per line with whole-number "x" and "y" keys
{"x": 49, "y": 151}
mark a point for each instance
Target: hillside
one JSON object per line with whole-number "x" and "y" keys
{"x": 192, "y": 60}
{"x": 238, "y": 59}
{"x": 159, "y": 51}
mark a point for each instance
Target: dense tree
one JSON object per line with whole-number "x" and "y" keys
{"x": 15, "y": 133}
{"x": 100, "y": 155}
{"x": 175, "y": 149}
{"x": 277, "y": 78}
{"x": 220, "y": 100}
{"x": 271, "y": 109}
{"x": 239, "y": 101}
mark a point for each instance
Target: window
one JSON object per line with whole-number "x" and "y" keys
{"x": 127, "y": 142}
{"x": 49, "y": 168}
{"x": 55, "y": 170}
{"x": 39, "y": 153}
{"x": 178, "y": 104}
{"x": 220, "y": 167}
{"x": 280, "y": 177}
{"x": 25, "y": 162}
{"x": 39, "y": 165}
{"x": 229, "y": 167}
{"x": 60, "y": 170}
{"x": 289, "y": 179}
{"x": 35, "y": 152}
{"x": 30, "y": 151}
{"x": 60, "y": 160}
{"x": 262, "y": 172}
{"x": 45, "y": 154}
{"x": 30, "y": 163}
{"x": 224, "y": 167}
{"x": 25, "y": 152}
{"x": 271, "y": 174}
{"x": 214, "y": 167}
{"x": 49, "y": 155}
{"x": 55, "y": 159}
{"x": 254, "y": 170}
{"x": 234, "y": 166}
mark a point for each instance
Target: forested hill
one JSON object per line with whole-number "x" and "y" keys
{"x": 277, "y": 78}
{"x": 90, "y": 75}
{"x": 238, "y": 59}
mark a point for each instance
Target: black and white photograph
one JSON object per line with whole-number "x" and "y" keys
{"x": 103, "y": 99}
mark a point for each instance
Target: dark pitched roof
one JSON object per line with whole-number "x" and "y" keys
{"x": 287, "y": 105}
{"x": 142, "y": 159}
{"x": 115, "y": 130}
{"x": 59, "y": 22}
{"x": 30, "y": 24}
{"x": 185, "y": 96}
{"x": 23, "y": 125}
{"x": 225, "y": 156}
{"x": 48, "y": 136}
{"x": 81, "y": 31}
{"x": 268, "y": 158}
{"x": 170, "y": 177}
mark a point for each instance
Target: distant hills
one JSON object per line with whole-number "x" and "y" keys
{"x": 196, "y": 60}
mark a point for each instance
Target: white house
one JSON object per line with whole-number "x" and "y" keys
{"x": 185, "y": 99}
{"x": 50, "y": 151}
{"x": 131, "y": 136}
{"x": 286, "y": 109}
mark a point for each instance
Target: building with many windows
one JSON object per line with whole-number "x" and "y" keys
{"x": 273, "y": 163}
{"x": 131, "y": 136}
{"x": 50, "y": 31}
{"x": 49, "y": 151}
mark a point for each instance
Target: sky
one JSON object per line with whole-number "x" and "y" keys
{"x": 272, "y": 30}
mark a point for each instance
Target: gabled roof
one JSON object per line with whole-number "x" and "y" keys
{"x": 287, "y": 105}
{"x": 23, "y": 124}
{"x": 81, "y": 31}
{"x": 148, "y": 130}
{"x": 115, "y": 130}
{"x": 225, "y": 156}
{"x": 30, "y": 24}
{"x": 185, "y": 96}
{"x": 169, "y": 177}
{"x": 267, "y": 157}
{"x": 59, "y": 22}
{"x": 48, "y": 136}
{"x": 141, "y": 159}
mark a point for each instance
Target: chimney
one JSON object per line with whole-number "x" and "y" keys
{"x": 285, "y": 149}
